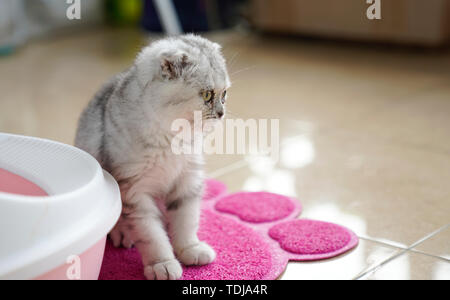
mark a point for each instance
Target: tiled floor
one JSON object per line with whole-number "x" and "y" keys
{"x": 364, "y": 134}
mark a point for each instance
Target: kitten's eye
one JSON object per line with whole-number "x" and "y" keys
{"x": 207, "y": 95}
{"x": 223, "y": 97}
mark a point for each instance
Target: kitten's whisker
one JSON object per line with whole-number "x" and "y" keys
{"x": 207, "y": 116}
{"x": 235, "y": 82}
{"x": 233, "y": 59}
{"x": 242, "y": 70}
{"x": 232, "y": 114}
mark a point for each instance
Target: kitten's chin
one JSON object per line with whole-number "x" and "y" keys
{"x": 210, "y": 125}
{"x": 213, "y": 121}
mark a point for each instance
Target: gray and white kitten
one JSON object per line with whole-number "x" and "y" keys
{"x": 127, "y": 128}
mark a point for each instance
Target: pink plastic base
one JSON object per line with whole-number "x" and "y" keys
{"x": 90, "y": 261}
{"x": 89, "y": 268}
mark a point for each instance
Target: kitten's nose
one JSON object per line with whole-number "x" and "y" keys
{"x": 220, "y": 114}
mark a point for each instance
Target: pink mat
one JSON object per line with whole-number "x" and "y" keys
{"x": 255, "y": 235}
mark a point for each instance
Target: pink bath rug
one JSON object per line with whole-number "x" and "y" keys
{"x": 254, "y": 235}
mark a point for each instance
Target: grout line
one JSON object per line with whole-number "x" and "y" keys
{"x": 430, "y": 255}
{"x": 400, "y": 253}
{"x": 386, "y": 244}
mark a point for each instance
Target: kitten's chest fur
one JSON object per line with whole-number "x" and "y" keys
{"x": 156, "y": 171}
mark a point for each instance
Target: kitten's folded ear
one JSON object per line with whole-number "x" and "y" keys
{"x": 173, "y": 65}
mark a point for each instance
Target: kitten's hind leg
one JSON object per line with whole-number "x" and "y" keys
{"x": 120, "y": 235}
{"x": 146, "y": 228}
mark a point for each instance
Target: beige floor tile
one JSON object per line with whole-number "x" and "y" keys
{"x": 216, "y": 165}
{"x": 326, "y": 84}
{"x": 421, "y": 120}
{"x": 438, "y": 245}
{"x": 284, "y": 129}
{"x": 413, "y": 266}
{"x": 384, "y": 192}
{"x": 347, "y": 266}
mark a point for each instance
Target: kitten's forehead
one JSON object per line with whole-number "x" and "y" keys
{"x": 217, "y": 78}
{"x": 211, "y": 62}
{"x": 214, "y": 81}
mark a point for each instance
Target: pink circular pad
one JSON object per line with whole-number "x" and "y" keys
{"x": 213, "y": 189}
{"x": 256, "y": 207}
{"x": 310, "y": 237}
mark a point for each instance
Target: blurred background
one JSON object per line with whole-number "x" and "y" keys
{"x": 364, "y": 105}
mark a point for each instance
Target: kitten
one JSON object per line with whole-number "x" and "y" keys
{"x": 127, "y": 128}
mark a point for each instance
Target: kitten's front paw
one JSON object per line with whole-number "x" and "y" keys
{"x": 199, "y": 254}
{"x": 166, "y": 270}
